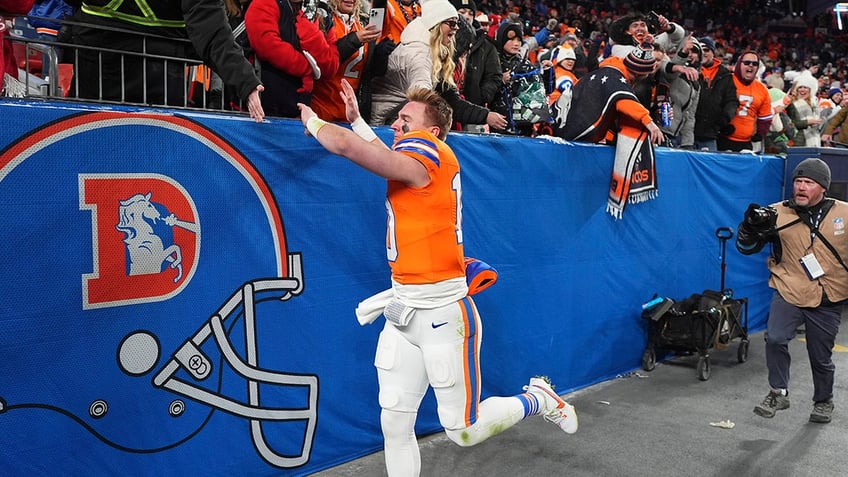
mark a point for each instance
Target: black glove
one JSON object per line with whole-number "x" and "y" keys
{"x": 381, "y": 56}
{"x": 748, "y": 241}
{"x": 727, "y": 130}
{"x": 756, "y": 229}
{"x": 463, "y": 38}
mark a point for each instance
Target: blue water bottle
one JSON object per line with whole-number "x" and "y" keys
{"x": 665, "y": 113}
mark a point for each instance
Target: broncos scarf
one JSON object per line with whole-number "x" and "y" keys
{"x": 634, "y": 176}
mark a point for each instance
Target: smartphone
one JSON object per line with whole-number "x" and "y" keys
{"x": 378, "y": 15}
{"x": 653, "y": 21}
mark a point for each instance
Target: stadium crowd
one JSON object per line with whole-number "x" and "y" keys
{"x": 509, "y": 66}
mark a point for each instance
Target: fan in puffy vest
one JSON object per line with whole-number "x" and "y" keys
{"x": 810, "y": 280}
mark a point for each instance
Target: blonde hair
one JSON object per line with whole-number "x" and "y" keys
{"x": 442, "y": 56}
{"x": 806, "y": 79}
{"x": 354, "y": 15}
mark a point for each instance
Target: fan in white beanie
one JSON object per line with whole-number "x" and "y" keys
{"x": 805, "y": 112}
{"x": 434, "y": 12}
{"x": 806, "y": 79}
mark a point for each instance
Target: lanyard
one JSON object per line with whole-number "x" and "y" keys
{"x": 815, "y": 226}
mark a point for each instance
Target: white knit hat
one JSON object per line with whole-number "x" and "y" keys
{"x": 806, "y": 79}
{"x": 562, "y": 53}
{"x": 434, "y": 12}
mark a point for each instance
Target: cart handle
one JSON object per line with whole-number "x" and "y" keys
{"x": 724, "y": 233}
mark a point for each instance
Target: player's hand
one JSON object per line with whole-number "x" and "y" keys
{"x": 351, "y": 104}
{"x": 305, "y": 114}
{"x": 254, "y": 105}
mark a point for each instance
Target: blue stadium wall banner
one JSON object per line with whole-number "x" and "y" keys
{"x": 179, "y": 287}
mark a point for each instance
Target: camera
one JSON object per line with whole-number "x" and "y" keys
{"x": 762, "y": 218}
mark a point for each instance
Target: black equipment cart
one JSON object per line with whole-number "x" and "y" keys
{"x": 699, "y": 323}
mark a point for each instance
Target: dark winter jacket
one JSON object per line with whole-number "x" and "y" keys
{"x": 203, "y": 21}
{"x": 464, "y": 111}
{"x": 717, "y": 104}
{"x": 483, "y": 74}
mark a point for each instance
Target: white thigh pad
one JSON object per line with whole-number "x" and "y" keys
{"x": 443, "y": 370}
{"x": 400, "y": 389}
{"x": 441, "y": 363}
{"x": 387, "y": 350}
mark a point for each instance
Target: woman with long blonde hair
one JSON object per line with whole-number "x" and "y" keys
{"x": 442, "y": 48}
{"x": 804, "y": 110}
{"x": 424, "y": 58}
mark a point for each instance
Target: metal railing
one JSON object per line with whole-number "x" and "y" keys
{"x": 62, "y": 83}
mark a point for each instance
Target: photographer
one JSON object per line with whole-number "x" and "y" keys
{"x": 809, "y": 277}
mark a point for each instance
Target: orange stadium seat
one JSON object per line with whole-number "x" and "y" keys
{"x": 65, "y": 75}
{"x": 34, "y": 65}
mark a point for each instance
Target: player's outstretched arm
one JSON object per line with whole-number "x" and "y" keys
{"x": 372, "y": 156}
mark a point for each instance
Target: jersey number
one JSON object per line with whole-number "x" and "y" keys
{"x": 391, "y": 234}
{"x": 353, "y": 63}
{"x": 744, "y": 103}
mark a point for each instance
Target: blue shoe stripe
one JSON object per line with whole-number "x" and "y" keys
{"x": 530, "y": 402}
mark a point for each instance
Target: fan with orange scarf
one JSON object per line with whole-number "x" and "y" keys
{"x": 604, "y": 107}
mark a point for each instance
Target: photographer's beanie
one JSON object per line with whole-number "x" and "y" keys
{"x": 815, "y": 169}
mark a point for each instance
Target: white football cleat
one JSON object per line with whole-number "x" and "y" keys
{"x": 553, "y": 408}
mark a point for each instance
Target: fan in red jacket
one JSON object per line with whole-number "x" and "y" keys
{"x": 7, "y": 57}
{"x": 293, "y": 52}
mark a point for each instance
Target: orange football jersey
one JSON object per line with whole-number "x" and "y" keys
{"x": 424, "y": 233}
{"x": 754, "y": 104}
{"x": 326, "y": 101}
